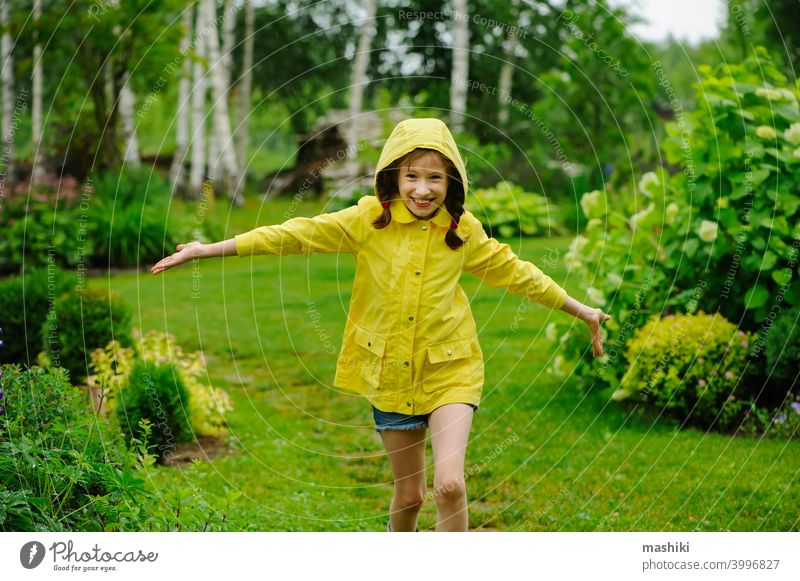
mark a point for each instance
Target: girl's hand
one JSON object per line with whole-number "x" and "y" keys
{"x": 593, "y": 319}
{"x": 186, "y": 252}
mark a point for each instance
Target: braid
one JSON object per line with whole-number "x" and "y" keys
{"x": 454, "y": 203}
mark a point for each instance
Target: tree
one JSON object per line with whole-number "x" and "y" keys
{"x": 244, "y": 90}
{"x": 176, "y": 172}
{"x": 222, "y": 127}
{"x": 460, "y": 72}
{"x": 36, "y": 111}
{"x": 198, "y": 169}
{"x": 7, "y": 94}
{"x": 359, "y": 76}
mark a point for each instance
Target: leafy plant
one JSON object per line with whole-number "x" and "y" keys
{"x": 24, "y": 305}
{"x": 81, "y": 322}
{"x": 207, "y": 404}
{"x": 155, "y": 392}
{"x": 689, "y": 367}
{"x": 783, "y": 349}
{"x": 506, "y": 210}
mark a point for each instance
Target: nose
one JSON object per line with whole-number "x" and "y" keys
{"x": 422, "y": 187}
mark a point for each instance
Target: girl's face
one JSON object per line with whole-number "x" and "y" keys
{"x": 422, "y": 185}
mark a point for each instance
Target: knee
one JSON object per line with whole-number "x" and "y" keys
{"x": 450, "y": 490}
{"x": 409, "y": 498}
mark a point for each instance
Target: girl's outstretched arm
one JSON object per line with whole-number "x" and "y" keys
{"x": 593, "y": 319}
{"x": 194, "y": 250}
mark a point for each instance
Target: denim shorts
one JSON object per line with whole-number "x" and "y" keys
{"x": 397, "y": 421}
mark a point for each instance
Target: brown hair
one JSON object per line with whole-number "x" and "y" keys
{"x": 386, "y": 188}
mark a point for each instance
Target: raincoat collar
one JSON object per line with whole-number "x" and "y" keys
{"x": 402, "y": 214}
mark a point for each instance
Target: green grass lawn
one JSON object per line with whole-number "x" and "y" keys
{"x": 542, "y": 457}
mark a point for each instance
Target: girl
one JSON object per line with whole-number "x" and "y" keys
{"x": 410, "y": 344}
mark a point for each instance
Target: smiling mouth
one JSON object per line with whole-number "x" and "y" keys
{"x": 422, "y": 202}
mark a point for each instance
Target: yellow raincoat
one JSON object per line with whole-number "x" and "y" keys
{"x": 410, "y": 343}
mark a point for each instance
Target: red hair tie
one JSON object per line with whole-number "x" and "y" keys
{"x": 453, "y": 224}
{"x": 385, "y": 204}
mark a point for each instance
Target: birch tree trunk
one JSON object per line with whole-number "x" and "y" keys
{"x": 506, "y": 80}
{"x": 176, "y": 172}
{"x": 198, "y": 168}
{"x": 244, "y": 90}
{"x": 460, "y": 72}
{"x": 126, "y": 105}
{"x": 7, "y": 95}
{"x": 358, "y": 78}
{"x": 36, "y": 113}
{"x": 222, "y": 127}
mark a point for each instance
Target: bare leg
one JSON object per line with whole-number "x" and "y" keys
{"x": 406, "y": 450}
{"x": 450, "y": 426}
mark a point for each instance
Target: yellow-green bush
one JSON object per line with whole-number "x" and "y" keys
{"x": 689, "y": 367}
{"x": 207, "y": 404}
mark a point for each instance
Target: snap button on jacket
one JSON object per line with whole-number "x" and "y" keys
{"x": 410, "y": 342}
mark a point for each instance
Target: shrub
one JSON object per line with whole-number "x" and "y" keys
{"x": 82, "y": 322}
{"x": 506, "y": 210}
{"x": 24, "y": 305}
{"x": 129, "y": 212}
{"x": 689, "y": 367}
{"x": 207, "y": 404}
{"x": 155, "y": 392}
{"x": 64, "y": 469}
{"x": 783, "y": 349}
{"x": 55, "y": 458}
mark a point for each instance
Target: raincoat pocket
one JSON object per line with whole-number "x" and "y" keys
{"x": 448, "y": 364}
{"x": 372, "y": 357}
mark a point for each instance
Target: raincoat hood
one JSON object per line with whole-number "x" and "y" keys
{"x": 429, "y": 133}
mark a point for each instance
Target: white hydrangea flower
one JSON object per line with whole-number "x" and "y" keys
{"x": 550, "y": 332}
{"x": 637, "y": 218}
{"x": 707, "y": 231}
{"x": 787, "y": 94}
{"x": 595, "y": 296}
{"x": 593, "y": 223}
{"x": 648, "y": 185}
{"x": 772, "y": 94}
{"x": 766, "y": 132}
{"x": 670, "y": 212}
{"x": 593, "y": 204}
{"x": 792, "y": 134}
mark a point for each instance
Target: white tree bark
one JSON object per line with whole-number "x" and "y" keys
{"x": 228, "y": 38}
{"x": 506, "y": 80}
{"x": 176, "y": 172}
{"x": 198, "y": 169}
{"x": 7, "y": 95}
{"x": 244, "y": 90}
{"x": 36, "y": 113}
{"x": 359, "y": 76}
{"x": 222, "y": 125}
{"x": 126, "y": 106}
{"x": 460, "y": 71}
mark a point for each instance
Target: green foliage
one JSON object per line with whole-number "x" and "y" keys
{"x": 57, "y": 460}
{"x": 738, "y": 192}
{"x": 506, "y": 210}
{"x": 726, "y": 222}
{"x": 155, "y": 392}
{"x": 24, "y": 304}
{"x": 129, "y": 214}
{"x": 689, "y": 367}
{"x": 81, "y": 322}
{"x": 783, "y": 350}
{"x": 62, "y": 468}
{"x": 207, "y": 405}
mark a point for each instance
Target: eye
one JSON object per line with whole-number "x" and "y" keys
{"x": 436, "y": 177}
